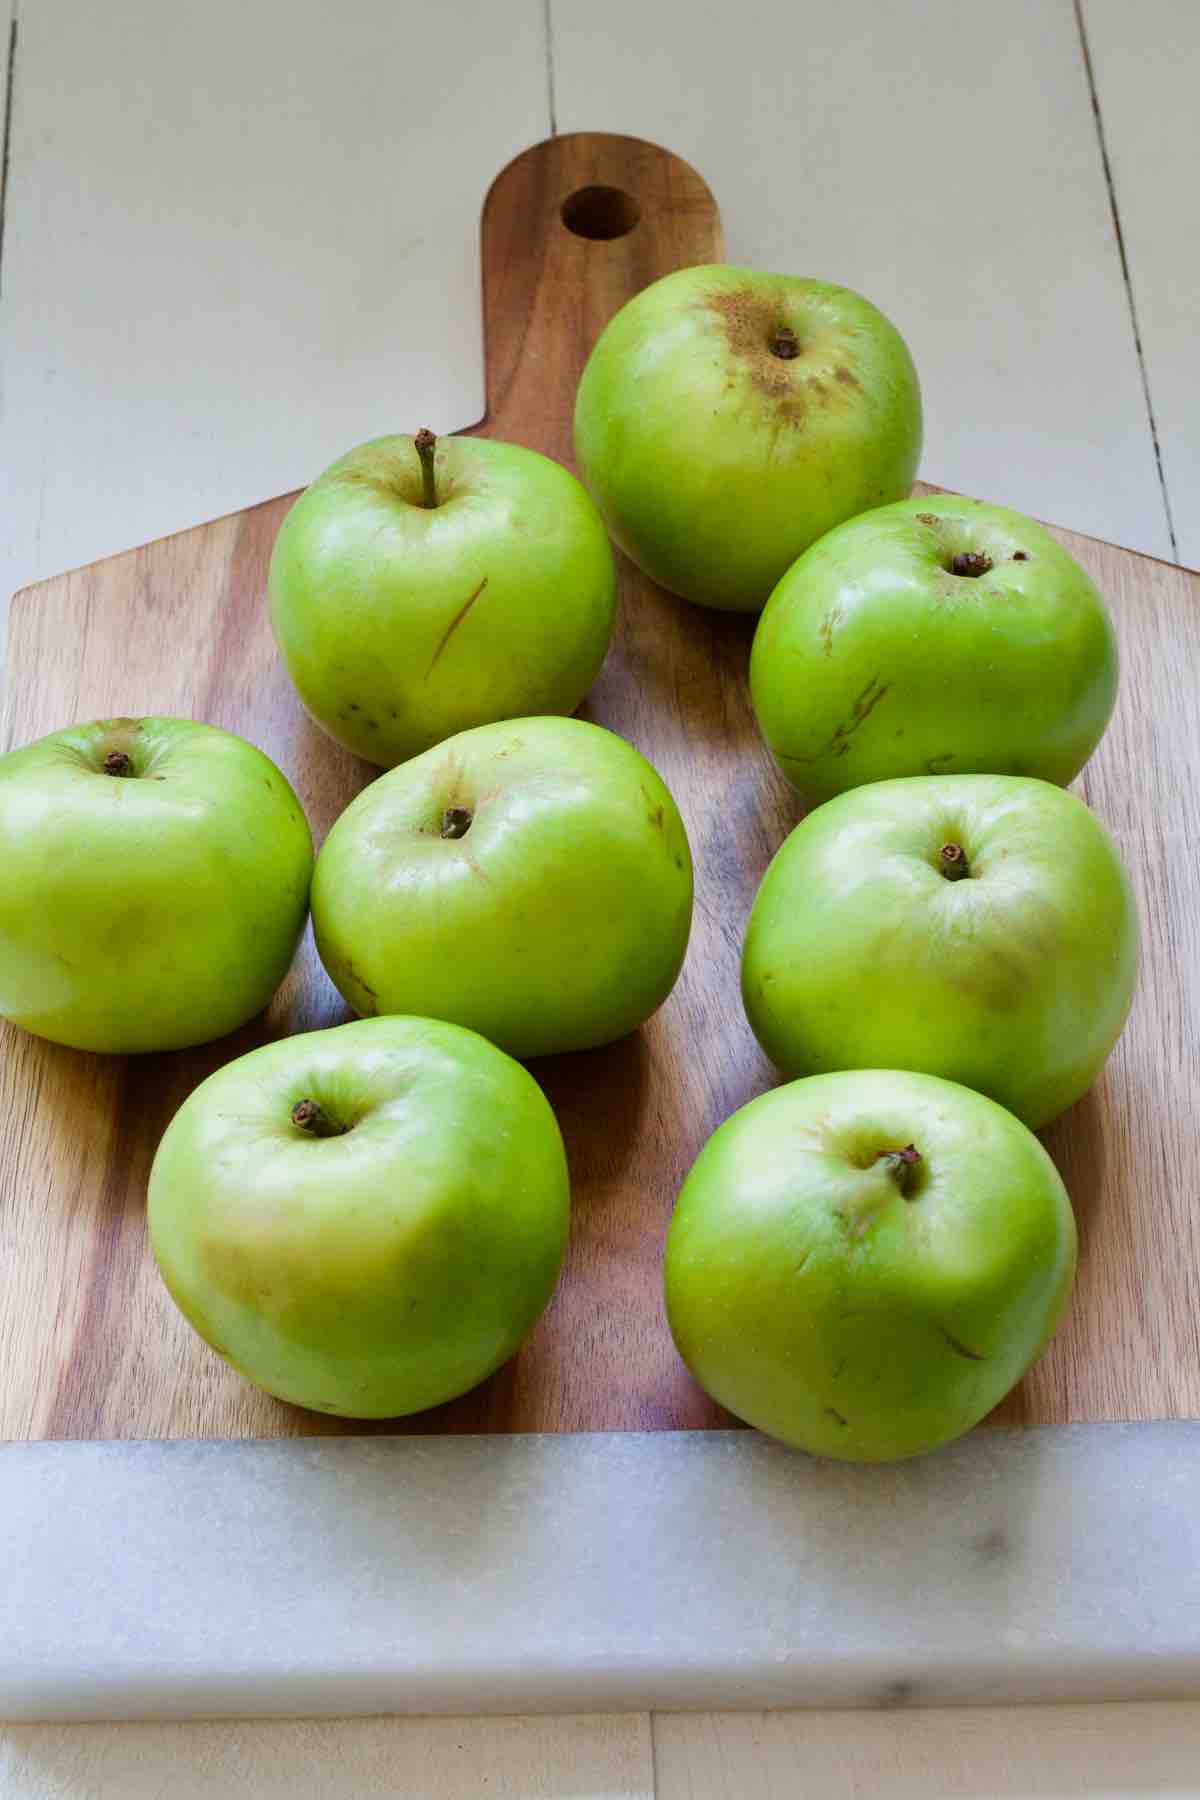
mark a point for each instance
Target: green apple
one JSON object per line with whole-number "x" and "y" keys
{"x": 366, "y": 1220}
{"x": 863, "y": 1264}
{"x": 419, "y": 588}
{"x": 531, "y": 880}
{"x": 155, "y": 883}
{"x": 933, "y": 637}
{"x": 727, "y": 418}
{"x": 978, "y": 927}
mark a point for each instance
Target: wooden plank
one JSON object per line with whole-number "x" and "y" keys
{"x": 91, "y": 1344}
{"x": 988, "y": 1753}
{"x": 1144, "y": 62}
{"x": 240, "y": 238}
{"x": 1129, "y": 1151}
{"x": 603, "y": 1757}
{"x": 943, "y": 159}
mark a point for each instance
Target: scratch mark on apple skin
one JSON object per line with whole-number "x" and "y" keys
{"x": 837, "y": 745}
{"x": 352, "y": 975}
{"x": 474, "y": 866}
{"x": 831, "y": 619}
{"x": 961, "y": 1349}
{"x": 835, "y": 1414}
{"x": 453, "y": 626}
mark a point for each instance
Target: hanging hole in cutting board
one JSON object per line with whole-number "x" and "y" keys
{"x": 600, "y": 212}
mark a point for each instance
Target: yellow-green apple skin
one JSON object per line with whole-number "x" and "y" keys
{"x": 863, "y": 1264}
{"x": 1009, "y": 967}
{"x": 715, "y": 459}
{"x": 938, "y": 636}
{"x": 388, "y": 1265}
{"x": 531, "y": 880}
{"x": 402, "y": 624}
{"x": 156, "y": 876}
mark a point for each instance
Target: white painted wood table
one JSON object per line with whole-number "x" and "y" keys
{"x": 237, "y": 239}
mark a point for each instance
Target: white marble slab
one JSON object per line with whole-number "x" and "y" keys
{"x": 594, "y": 1572}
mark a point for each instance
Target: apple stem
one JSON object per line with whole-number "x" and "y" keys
{"x": 955, "y": 866}
{"x": 970, "y": 562}
{"x": 311, "y": 1118}
{"x": 456, "y": 822}
{"x": 785, "y": 343}
{"x": 426, "y": 444}
{"x": 117, "y": 763}
{"x": 900, "y": 1165}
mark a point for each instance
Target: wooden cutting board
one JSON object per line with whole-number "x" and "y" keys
{"x": 90, "y": 1345}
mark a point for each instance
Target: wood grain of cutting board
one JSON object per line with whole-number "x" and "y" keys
{"x": 90, "y": 1345}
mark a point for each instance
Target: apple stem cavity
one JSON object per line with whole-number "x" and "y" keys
{"x": 456, "y": 822}
{"x": 785, "y": 343}
{"x": 972, "y": 563}
{"x": 117, "y": 762}
{"x": 900, "y": 1165}
{"x": 426, "y": 444}
{"x": 312, "y": 1118}
{"x": 955, "y": 866}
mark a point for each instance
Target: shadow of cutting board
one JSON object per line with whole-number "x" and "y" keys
{"x": 91, "y": 1346}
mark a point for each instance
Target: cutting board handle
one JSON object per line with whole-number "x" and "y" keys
{"x": 573, "y": 228}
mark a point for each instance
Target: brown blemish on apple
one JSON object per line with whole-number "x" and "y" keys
{"x": 825, "y": 632}
{"x": 961, "y": 1349}
{"x": 927, "y": 518}
{"x": 453, "y": 626}
{"x": 352, "y": 975}
{"x": 846, "y": 376}
{"x": 839, "y": 743}
{"x": 750, "y": 322}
